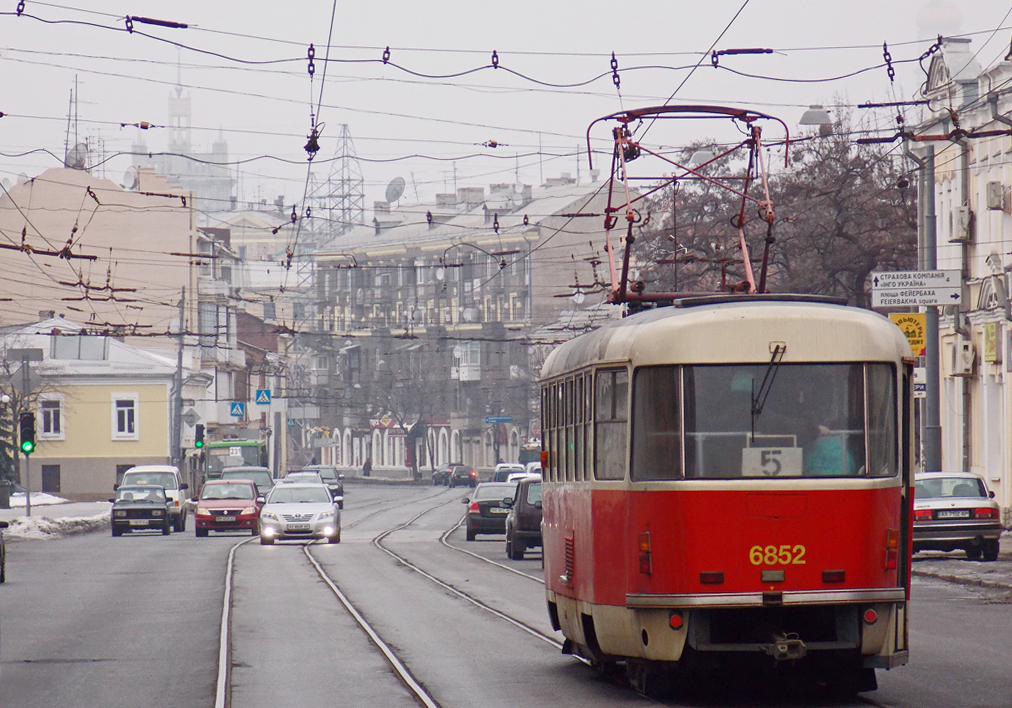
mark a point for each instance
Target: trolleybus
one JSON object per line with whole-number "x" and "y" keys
{"x": 728, "y": 481}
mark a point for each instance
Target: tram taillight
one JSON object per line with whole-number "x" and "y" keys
{"x": 892, "y": 548}
{"x": 646, "y": 565}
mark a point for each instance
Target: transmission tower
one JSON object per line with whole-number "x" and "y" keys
{"x": 341, "y": 199}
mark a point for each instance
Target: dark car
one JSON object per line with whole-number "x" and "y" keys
{"x": 260, "y": 476}
{"x": 442, "y": 474}
{"x": 227, "y": 505}
{"x": 523, "y": 523}
{"x": 485, "y": 513}
{"x": 332, "y": 478}
{"x": 141, "y": 508}
{"x": 462, "y": 474}
{"x": 3, "y": 553}
{"x": 956, "y": 511}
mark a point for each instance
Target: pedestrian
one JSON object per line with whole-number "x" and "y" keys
{"x": 367, "y": 467}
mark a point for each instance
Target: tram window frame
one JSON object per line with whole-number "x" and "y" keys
{"x": 657, "y": 430}
{"x": 553, "y": 456}
{"x": 881, "y": 431}
{"x": 577, "y": 434}
{"x": 611, "y": 419}
{"x": 588, "y": 425}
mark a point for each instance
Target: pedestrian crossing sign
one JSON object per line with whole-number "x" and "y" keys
{"x": 238, "y": 410}
{"x": 263, "y": 397}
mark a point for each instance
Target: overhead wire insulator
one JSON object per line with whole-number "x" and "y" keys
{"x": 615, "y": 79}
{"x": 495, "y": 223}
{"x": 21, "y": 7}
{"x": 889, "y": 62}
{"x": 312, "y": 145}
{"x": 386, "y": 55}
{"x": 495, "y": 59}
{"x": 311, "y": 54}
{"x": 295, "y": 216}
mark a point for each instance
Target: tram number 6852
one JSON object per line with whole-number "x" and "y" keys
{"x": 774, "y": 555}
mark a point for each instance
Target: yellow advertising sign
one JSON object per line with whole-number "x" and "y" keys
{"x": 913, "y": 326}
{"x": 992, "y": 352}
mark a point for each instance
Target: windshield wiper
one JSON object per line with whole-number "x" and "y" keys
{"x": 759, "y": 398}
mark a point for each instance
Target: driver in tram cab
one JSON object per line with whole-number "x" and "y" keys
{"x": 828, "y": 455}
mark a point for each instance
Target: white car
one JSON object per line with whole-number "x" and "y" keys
{"x": 299, "y": 511}
{"x": 956, "y": 511}
{"x": 534, "y": 467}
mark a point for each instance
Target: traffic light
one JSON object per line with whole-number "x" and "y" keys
{"x": 28, "y": 433}
{"x": 198, "y": 435}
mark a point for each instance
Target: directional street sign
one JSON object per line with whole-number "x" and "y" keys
{"x": 263, "y": 397}
{"x": 237, "y": 409}
{"x": 26, "y": 387}
{"x": 191, "y": 418}
{"x": 916, "y": 288}
{"x": 493, "y": 419}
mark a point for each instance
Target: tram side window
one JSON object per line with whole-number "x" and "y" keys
{"x": 577, "y": 430}
{"x": 610, "y": 410}
{"x": 657, "y": 430}
{"x": 881, "y": 420}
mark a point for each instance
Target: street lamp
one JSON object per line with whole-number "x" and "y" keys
{"x": 819, "y": 116}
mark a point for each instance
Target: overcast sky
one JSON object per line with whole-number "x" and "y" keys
{"x": 263, "y": 109}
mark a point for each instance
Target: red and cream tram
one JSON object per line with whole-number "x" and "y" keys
{"x": 727, "y": 480}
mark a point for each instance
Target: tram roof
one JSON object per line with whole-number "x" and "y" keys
{"x": 736, "y": 329}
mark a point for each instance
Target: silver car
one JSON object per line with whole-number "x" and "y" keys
{"x": 955, "y": 510}
{"x": 300, "y": 511}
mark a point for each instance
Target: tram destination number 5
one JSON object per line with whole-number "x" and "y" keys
{"x": 777, "y": 555}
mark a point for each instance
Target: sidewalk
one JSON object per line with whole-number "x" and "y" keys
{"x": 53, "y": 518}
{"x": 955, "y": 568}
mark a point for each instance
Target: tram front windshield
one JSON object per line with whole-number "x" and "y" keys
{"x": 809, "y": 420}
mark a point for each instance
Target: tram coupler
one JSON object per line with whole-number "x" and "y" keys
{"x": 785, "y": 648}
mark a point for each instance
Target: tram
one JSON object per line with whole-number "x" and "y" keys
{"x": 728, "y": 482}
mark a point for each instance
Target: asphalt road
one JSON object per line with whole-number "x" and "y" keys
{"x": 96, "y": 621}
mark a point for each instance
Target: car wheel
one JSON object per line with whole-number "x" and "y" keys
{"x": 973, "y": 552}
{"x": 471, "y": 534}
{"x": 166, "y": 529}
{"x": 991, "y": 548}
{"x": 254, "y": 531}
{"x": 509, "y": 546}
{"x": 336, "y": 538}
{"x": 201, "y": 533}
{"x": 116, "y": 531}
{"x": 266, "y": 541}
{"x": 3, "y": 570}
{"x": 182, "y": 521}
{"x": 517, "y": 548}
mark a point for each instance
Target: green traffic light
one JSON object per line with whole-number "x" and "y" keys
{"x": 28, "y": 447}
{"x": 199, "y": 443}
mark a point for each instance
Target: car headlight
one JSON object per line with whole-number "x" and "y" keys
{"x": 269, "y": 515}
{"x": 203, "y": 512}
{"x": 326, "y": 515}
{"x": 249, "y": 510}
{"x": 158, "y": 512}
{"x": 119, "y": 514}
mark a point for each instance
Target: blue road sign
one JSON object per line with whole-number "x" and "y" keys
{"x": 237, "y": 409}
{"x": 493, "y": 419}
{"x": 263, "y": 397}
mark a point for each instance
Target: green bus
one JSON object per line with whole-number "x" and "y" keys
{"x": 219, "y": 454}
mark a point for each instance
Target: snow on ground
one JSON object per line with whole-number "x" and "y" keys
{"x": 51, "y": 520}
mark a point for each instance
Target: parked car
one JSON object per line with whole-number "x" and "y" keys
{"x": 299, "y": 511}
{"x": 260, "y": 476}
{"x": 462, "y": 474}
{"x": 167, "y": 477}
{"x": 442, "y": 474}
{"x": 227, "y": 505}
{"x": 332, "y": 478}
{"x": 3, "y": 553}
{"x": 140, "y": 507}
{"x": 523, "y": 522}
{"x": 484, "y": 512}
{"x": 503, "y": 470}
{"x": 955, "y": 510}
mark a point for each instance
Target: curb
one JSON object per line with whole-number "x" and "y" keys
{"x": 960, "y": 580}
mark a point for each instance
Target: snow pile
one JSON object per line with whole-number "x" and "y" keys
{"x": 38, "y": 499}
{"x": 43, "y": 527}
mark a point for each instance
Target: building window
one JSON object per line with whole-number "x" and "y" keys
{"x": 51, "y": 479}
{"x": 124, "y": 417}
{"x": 51, "y": 423}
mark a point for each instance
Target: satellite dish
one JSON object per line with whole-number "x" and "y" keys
{"x": 77, "y": 157}
{"x": 129, "y": 179}
{"x": 439, "y": 273}
{"x": 395, "y": 189}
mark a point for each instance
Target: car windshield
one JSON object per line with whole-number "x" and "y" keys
{"x": 154, "y": 495}
{"x": 495, "y": 490}
{"x": 304, "y": 478}
{"x": 299, "y": 495}
{"x": 945, "y": 487}
{"x": 534, "y": 493}
{"x": 327, "y": 473}
{"x": 228, "y": 491}
{"x": 162, "y": 479}
{"x": 261, "y": 479}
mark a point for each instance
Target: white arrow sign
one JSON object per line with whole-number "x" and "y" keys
{"x": 915, "y": 279}
{"x": 916, "y": 297}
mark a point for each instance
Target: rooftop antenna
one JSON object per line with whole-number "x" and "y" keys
{"x": 395, "y": 189}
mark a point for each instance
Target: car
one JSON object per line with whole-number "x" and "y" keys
{"x": 517, "y": 476}
{"x": 956, "y": 511}
{"x": 534, "y": 467}
{"x": 462, "y": 474}
{"x": 227, "y": 505}
{"x": 503, "y": 470}
{"x": 140, "y": 507}
{"x": 301, "y": 478}
{"x": 3, "y": 553}
{"x": 442, "y": 474}
{"x": 260, "y": 476}
{"x": 484, "y": 511}
{"x": 332, "y": 478}
{"x": 523, "y": 522}
{"x": 299, "y": 511}
{"x": 167, "y": 477}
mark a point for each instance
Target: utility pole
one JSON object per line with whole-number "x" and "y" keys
{"x": 177, "y": 399}
{"x": 932, "y": 401}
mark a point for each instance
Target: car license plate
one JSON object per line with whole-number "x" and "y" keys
{"x": 223, "y": 519}
{"x": 138, "y": 522}
{"x": 298, "y": 527}
{"x": 953, "y": 514}
{"x": 498, "y": 510}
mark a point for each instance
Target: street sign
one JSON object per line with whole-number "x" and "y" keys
{"x": 263, "y": 397}
{"x": 925, "y": 288}
{"x": 191, "y": 418}
{"x": 237, "y": 409}
{"x": 914, "y": 326}
{"x": 494, "y": 419}
{"x": 32, "y": 383}
{"x": 920, "y": 382}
